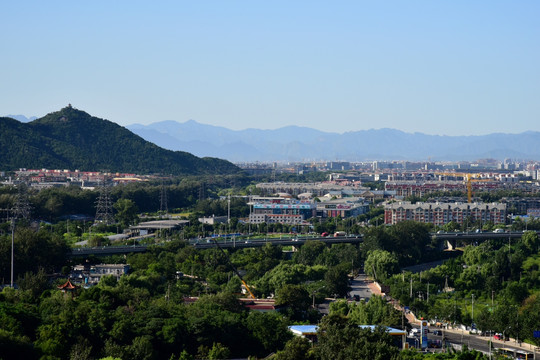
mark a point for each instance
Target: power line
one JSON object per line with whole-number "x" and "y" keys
{"x": 104, "y": 207}
{"x": 163, "y": 209}
{"x": 22, "y": 208}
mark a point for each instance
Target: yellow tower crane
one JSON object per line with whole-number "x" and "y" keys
{"x": 467, "y": 178}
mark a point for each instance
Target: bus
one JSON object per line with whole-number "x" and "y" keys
{"x": 514, "y": 353}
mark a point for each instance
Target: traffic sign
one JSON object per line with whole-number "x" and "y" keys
{"x": 536, "y": 333}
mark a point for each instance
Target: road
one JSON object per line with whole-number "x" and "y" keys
{"x": 361, "y": 286}
{"x": 457, "y": 338}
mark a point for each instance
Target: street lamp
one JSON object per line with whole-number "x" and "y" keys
{"x": 504, "y": 337}
{"x": 313, "y": 294}
{"x": 472, "y": 312}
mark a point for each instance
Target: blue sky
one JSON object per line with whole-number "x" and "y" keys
{"x": 448, "y": 68}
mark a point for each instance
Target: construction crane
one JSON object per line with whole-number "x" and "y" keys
{"x": 467, "y": 178}
{"x": 234, "y": 269}
{"x": 469, "y": 187}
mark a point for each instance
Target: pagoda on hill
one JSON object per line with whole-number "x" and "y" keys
{"x": 67, "y": 287}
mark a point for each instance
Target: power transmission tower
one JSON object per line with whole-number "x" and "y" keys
{"x": 22, "y": 208}
{"x": 202, "y": 191}
{"x": 104, "y": 206}
{"x": 163, "y": 200}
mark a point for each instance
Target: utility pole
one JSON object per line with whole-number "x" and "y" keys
{"x": 410, "y": 293}
{"x": 249, "y": 221}
{"x": 229, "y": 212}
{"x": 12, "y": 247}
{"x": 472, "y": 313}
{"x": 402, "y": 320}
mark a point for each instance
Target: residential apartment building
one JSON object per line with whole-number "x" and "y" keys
{"x": 421, "y": 188}
{"x": 285, "y": 213}
{"x": 443, "y": 213}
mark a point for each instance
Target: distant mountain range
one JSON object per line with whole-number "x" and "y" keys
{"x": 22, "y": 118}
{"x": 72, "y": 139}
{"x": 293, "y": 143}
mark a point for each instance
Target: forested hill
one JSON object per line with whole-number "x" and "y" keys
{"x": 72, "y": 139}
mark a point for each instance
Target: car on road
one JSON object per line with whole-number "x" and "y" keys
{"x": 498, "y": 336}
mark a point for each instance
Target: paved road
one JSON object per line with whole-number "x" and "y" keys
{"x": 361, "y": 286}
{"x": 457, "y": 338}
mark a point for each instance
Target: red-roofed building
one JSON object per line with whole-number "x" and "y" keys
{"x": 67, "y": 286}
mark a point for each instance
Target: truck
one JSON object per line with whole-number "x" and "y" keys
{"x": 340, "y": 233}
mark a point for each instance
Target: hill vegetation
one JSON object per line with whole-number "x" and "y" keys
{"x": 73, "y": 139}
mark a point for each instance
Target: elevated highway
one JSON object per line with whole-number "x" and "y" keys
{"x": 451, "y": 237}
{"x": 207, "y": 244}
{"x": 478, "y": 236}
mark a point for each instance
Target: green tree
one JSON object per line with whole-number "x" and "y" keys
{"x": 375, "y": 312}
{"x": 218, "y": 351}
{"x": 126, "y": 212}
{"x": 309, "y": 252}
{"x": 141, "y": 348}
{"x": 298, "y": 348}
{"x": 531, "y": 318}
{"x": 339, "y": 339}
{"x": 295, "y": 297}
{"x": 381, "y": 264}
{"x": 337, "y": 281}
{"x": 531, "y": 240}
{"x": 269, "y": 329}
{"x": 34, "y": 283}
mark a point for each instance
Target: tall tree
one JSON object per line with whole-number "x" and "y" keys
{"x": 126, "y": 212}
{"x": 381, "y": 264}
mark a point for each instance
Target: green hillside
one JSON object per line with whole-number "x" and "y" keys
{"x": 72, "y": 139}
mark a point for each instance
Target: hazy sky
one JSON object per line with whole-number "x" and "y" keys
{"x": 437, "y": 67}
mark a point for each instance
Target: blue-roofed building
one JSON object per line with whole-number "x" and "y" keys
{"x": 284, "y": 213}
{"x": 307, "y": 331}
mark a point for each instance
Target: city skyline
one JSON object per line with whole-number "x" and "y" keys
{"x": 435, "y": 68}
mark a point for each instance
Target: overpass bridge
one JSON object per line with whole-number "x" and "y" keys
{"x": 451, "y": 238}
{"x": 207, "y": 244}
{"x": 107, "y": 250}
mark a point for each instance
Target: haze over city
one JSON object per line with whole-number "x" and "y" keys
{"x": 456, "y": 68}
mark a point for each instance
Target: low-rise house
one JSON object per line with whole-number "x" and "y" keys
{"x": 92, "y": 274}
